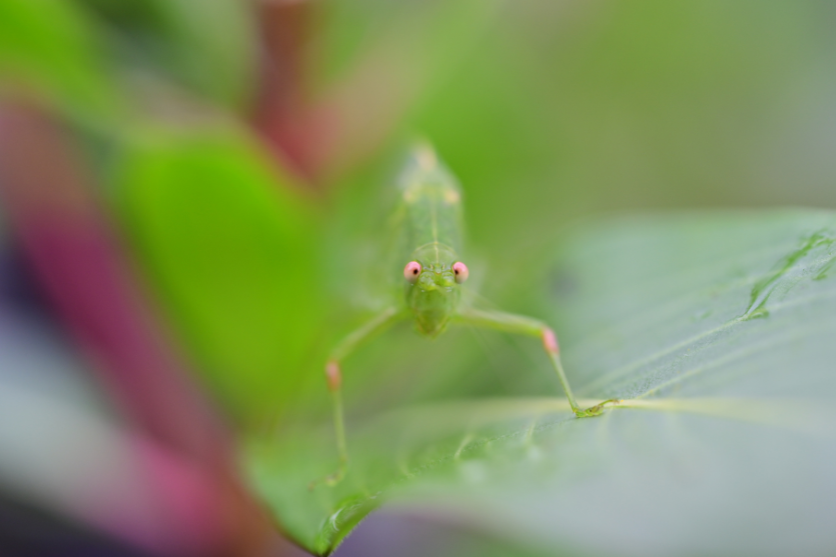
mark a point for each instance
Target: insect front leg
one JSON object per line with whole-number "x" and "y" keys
{"x": 333, "y": 375}
{"x": 532, "y": 327}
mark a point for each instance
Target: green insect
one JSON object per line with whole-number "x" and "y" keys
{"x": 429, "y": 240}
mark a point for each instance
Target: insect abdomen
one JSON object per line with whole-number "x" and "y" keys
{"x": 432, "y": 202}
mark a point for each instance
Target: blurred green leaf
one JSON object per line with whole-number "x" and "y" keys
{"x": 54, "y": 51}
{"x": 211, "y": 46}
{"x": 231, "y": 248}
{"x": 716, "y": 328}
{"x": 568, "y": 108}
{"x": 432, "y": 38}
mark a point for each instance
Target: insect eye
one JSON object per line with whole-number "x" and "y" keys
{"x": 461, "y": 272}
{"x": 411, "y": 271}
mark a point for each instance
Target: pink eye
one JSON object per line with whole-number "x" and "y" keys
{"x": 411, "y": 271}
{"x": 461, "y": 272}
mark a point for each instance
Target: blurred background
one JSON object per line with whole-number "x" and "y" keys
{"x": 189, "y": 193}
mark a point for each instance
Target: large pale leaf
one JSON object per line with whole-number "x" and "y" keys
{"x": 717, "y": 331}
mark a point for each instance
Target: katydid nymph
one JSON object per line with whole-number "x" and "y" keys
{"x": 428, "y": 238}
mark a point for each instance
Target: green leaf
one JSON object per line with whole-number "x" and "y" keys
{"x": 717, "y": 331}
{"x": 230, "y": 248}
{"x": 210, "y": 46}
{"x": 53, "y": 50}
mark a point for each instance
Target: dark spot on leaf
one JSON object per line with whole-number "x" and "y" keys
{"x": 563, "y": 283}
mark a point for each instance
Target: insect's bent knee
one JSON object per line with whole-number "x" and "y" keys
{"x": 333, "y": 375}
{"x": 550, "y": 341}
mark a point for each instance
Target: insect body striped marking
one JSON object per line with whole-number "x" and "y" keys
{"x": 432, "y": 210}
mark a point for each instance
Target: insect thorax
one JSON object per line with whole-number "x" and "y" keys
{"x": 434, "y": 297}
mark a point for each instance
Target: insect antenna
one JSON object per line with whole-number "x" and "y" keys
{"x": 470, "y": 295}
{"x": 501, "y": 347}
{"x": 495, "y": 345}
